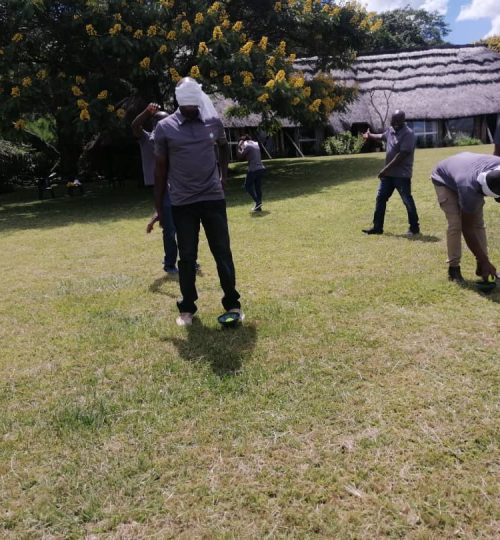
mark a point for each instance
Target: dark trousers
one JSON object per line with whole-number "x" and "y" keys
{"x": 212, "y": 215}
{"x": 169, "y": 242}
{"x": 386, "y": 188}
{"x": 253, "y": 185}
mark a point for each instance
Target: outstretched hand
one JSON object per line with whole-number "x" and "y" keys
{"x": 366, "y": 134}
{"x": 153, "y": 108}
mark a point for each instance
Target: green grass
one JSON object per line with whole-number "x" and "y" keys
{"x": 359, "y": 400}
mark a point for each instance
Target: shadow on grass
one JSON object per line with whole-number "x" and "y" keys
{"x": 425, "y": 238}
{"x": 224, "y": 349}
{"x": 493, "y": 295}
{"x": 156, "y": 286}
{"x": 285, "y": 178}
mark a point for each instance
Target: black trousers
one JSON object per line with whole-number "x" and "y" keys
{"x": 212, "y": 215}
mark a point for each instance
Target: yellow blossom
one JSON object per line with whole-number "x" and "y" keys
{"x": 281, "y": 75}
{"x": 213, "y": 73}
{"x": 307, "y": 6}
{"x": 247, "y": 48}
{"x": 84, "y": 115}
{"x": 215, "y": 7}
{"x": 295, "y": 101}
{"x": 174, "y": 74}
{"x": 117, "y": 17}
{"x": 76, "y": 91}
{"x": 15, "y": 92}
{"x": 198, "y": 19}
{"x": 291, "y": 3}
{"x": 120, "y": 113}
{"x": 103, "y": 94}
{"x": 202, "y": 48}
{"x": 152, "y": 30}
{"x": 314, "y": 106}
{"x": 163, "y": 49}
{"x": 195, "y": 72}
{"x": 91, "y": 31}
{"x": 110, "y": 108}
{"x": 270, "y": 83}
{"x": 247, "y": 78}
{"x": 263, "y": 43}
{"x": 263, "y": 97}
{"x": 376, "y": 25}
{"x": 79, "y": 79}
{"x": 167, "y": 3}
{"x": 1, "y": 52}
{"x": 115, "y": 29}
{"x": 27, "y": 82}
{"x": 186, "y": 27}
{"x": 19, "y": 124}
{"x": 307, "y": 91}
{"x": 297, "y": 81}
{"x": 227, "y": 80}
{"x": 226, "y": 23}
{"x": 217, "y": 33}
{"x": 171, "y": 35}
{"x": 281, "y": 48}
{"x": 16, "y": 38}
{"x": 271, "y": 61}
{"x": 237, "y": 26}
{"x": 82, "y": 104}
{"x": 277, "y": 6}
{"x": 291, "y": 59}
{"x": 42, "y": 74}
{"x": 145, "y": 62}
{"x": 138, "y": 34}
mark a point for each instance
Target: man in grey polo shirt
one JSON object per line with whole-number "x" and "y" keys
{"x": 186, "y": 166}
{"x": 461, "y": 183}
{"x": 249, "y": 149}
{"x": 396, "y": 174}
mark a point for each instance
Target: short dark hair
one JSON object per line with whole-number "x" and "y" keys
{"x": 245, "y": 137}
{"x": 493, "y": 181}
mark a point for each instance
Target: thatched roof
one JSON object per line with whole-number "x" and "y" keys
{"x": 449, "y": 82}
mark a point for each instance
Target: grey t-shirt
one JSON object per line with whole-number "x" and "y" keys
{"x": 251, "y": 152}
{"x": 193, "y": 173}
{"x": 146, "y": 144}
{"x": 400, "y": 141}
{"x": 459, "y": 173}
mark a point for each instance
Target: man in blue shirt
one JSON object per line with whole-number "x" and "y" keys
{"x": 186, "y": 165}
{"x": 396, "y": 174}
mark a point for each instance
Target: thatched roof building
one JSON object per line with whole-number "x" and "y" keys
{"x": 432, "y": 85}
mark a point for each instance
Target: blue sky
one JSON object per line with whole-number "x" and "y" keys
{"x": 469, "y": 20}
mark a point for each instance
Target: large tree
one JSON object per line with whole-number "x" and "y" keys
{"x": 409, "y": 28}
{"x": 77, "y": 61}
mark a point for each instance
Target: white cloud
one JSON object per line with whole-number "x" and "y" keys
{"x": 482, "y": 9}
{"x": 440, "y": 6}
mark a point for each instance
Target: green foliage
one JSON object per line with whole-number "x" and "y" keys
{"x": 343, "y": 143}
{"x": 16, "y": 163}
{"x": 492, "y": 43}
{"x": 408, "y": 28}
{"x": 461, "y": 139}
{"x": 113, "y": 50}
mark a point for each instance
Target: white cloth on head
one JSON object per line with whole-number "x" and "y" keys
{"x": 484, "y": 184}
{"x": 189, "y": 93}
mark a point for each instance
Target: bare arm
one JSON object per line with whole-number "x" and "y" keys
{"x": 161, "y": 168}
{"x": 468, "y": 230}
{"x": 396, "y": 160}
{"x": 374, "y": 136}
{"x": 223, "y": 160}
{"x": 143, "y": 117}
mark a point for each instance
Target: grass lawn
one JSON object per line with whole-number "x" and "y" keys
{"x": 359, "y": 400}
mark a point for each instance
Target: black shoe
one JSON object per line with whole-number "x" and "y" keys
{"x": 455, "y": 275}
{"x": 411, "y": 234}
{"x": 373, "y": 231}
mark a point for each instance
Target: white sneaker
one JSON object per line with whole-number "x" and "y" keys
{"x": 239, "y": 312}
{"x": 184, "y": 319}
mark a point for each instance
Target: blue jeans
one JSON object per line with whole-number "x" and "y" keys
{"x": 386, "y": 188}
{"x": 212, "y": 215}
{"x": 253, "y": 185}
{"x": 169, "y": 242}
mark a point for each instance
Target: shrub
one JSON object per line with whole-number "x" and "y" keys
{"x": 461, "y": 139}
{"x": 16, "y": 163}
{"x": 343, "y": 143}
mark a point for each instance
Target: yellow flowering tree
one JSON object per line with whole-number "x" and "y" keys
{"x": 85, "y": 63}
